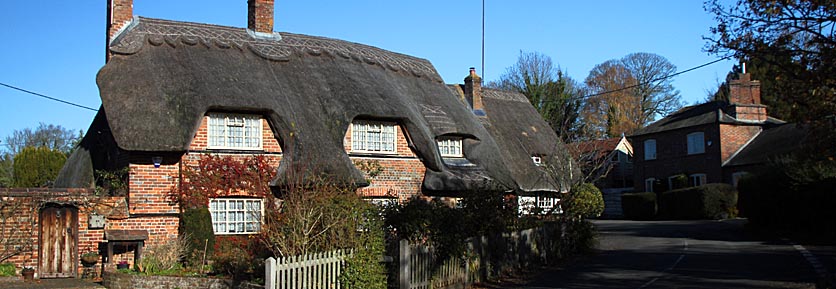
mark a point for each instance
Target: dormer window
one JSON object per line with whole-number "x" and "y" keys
{"x": 450, "y": 147}
{"x": 373, "y": 137}
{"x": 234, "y": 131}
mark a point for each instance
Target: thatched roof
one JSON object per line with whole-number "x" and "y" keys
{"x": 164, "y": 76}
{"x": 522, "y": 134}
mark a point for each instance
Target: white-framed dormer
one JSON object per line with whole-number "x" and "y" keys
{"x": 450, "y": 146}
{"x": 375, "y": 137}
{"x": 234, "y": 131}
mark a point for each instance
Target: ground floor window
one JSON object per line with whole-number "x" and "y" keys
{"x": 697, "y": 180}
{"x": 236, "y": 215}
{"x": 648, "y": 184}
{"x": 530, "y": 204}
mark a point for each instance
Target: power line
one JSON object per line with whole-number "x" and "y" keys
{"x": 657, "y": 79}
{"x": 48, "y": 97}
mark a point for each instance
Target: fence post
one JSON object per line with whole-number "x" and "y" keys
{"x": 270, "y": 273}
{"x": 404, "y": 273}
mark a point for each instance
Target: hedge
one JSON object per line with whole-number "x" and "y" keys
{"x": 711, "y": 201}
{"x": 639, "y": 206}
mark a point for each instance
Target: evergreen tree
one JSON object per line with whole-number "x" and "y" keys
{"x": 37, "y": 166}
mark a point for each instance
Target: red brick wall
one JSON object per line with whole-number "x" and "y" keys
{"x": 734, "y": 137}
{"x": 672, "y": 156}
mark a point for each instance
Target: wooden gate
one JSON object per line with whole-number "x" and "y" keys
{"x": 59, "y": 239}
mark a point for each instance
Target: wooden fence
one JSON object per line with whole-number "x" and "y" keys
{"x": 485, "y": 257}
{"x": 311, "y": 271}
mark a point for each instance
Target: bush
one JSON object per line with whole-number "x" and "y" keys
{"x": 164, "y": 259}
{"x": 586, "y": 201}
{"x": 363, "y": 268}
{"x": 37, "y": 166}
{"x": 7, "y": 270}
{"x": 639, "y": 206}
{"x": 196, "y": 227}
{"x": 711, "y": 201}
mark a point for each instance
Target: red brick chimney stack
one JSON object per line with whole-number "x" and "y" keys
{"x": 260, "y": 15}
{"x": 119, "y": 15}
{"x": 745, "y": 99}
{"x": 473, "y": 91}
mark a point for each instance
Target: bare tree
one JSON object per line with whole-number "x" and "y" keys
{"x": 629, "y": 93}
{"x": 54, "y": 137}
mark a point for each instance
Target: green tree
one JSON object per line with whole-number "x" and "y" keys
{"x": 6, "y": 170}
{"x": 37, "y": 166}
{"x": 556, "y": 97}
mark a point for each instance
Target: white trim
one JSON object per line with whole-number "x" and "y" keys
{"x": 384, "y": 125}
{"x": 231, "y": 225}
{"x": 259, "y": 129}
{"x": 649, "y": 188}
{"x": 703, "y": 180}
{"x": 741, "y": 148}
{"x": 453, "y": 143}
{"x": 735, "y": 177}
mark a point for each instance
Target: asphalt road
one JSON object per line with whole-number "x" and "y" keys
{"x": 687, "y": 254}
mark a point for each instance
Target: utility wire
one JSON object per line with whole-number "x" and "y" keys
{"x": 48, "y": 97}
{"x": 657, "y": 79}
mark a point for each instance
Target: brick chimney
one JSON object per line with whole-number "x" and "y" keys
{"x": 260, "y": 16}
{"x": 473, "y": 92}
{"x": 119, "y": 15}
{"x": 745, "y": 99}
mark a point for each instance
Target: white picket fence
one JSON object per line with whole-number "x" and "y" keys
{"x": 310, "y": 271}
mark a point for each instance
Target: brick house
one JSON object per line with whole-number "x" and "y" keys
{"x": 608, "y": 164}
{"x": 174, "y": 91}
{"x": 714, "y": 142}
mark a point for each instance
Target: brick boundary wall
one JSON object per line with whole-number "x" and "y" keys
{"x": 116, "y": 280}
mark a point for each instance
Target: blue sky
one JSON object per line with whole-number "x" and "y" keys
{"x": 57, "y": 47}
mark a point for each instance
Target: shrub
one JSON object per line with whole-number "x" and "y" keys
{"x": 639, "y": 206}
{"x": 711, "y": 201}
{"x": 586, "y": 201}
{"x": 7, "y": 270}
{"x": 232, "y": 257}
{"x": 164, "y": 259}
{"x": 363, "y": 269}
{"x": 196, "y": 228}
{"x": 37, "y": 166}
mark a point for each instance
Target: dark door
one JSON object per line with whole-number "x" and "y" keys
{"x": 59, "y": 236}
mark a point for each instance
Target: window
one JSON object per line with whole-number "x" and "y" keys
{"x": 530, "y": 204}
{"x": 696, "y": 143}
{"x": 377, "y": 137}
{"x": 650, "y": 149}
{"x": 648, "y": 184}
{"x": 697, "y": 180}
{"x": 450, "y": 147}
{"x": 234, "y": 131}
{"x": 236, "y": 216}
{"x": 538, "y": 161}
{"x": 735, "y": 178}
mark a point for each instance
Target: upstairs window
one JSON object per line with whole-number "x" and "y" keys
{"x": 450, "y": 147}
{"x": 236, "y": 215}
{"x": 374, "y": 137}
{"x": 650, "y": 149}
{"x": 696, "y": 143}
{"x": 234, "y": 131}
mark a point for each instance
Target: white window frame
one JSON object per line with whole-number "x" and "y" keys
{"x": 226, "y": 213}
{"x": 650, "y": 149}
{"x": 221, "y": 135}
{"x": 377, "y": 137}
{"x": 648, "y": 184}
{"x": 538, "y": 161}
{"x": 692, "y": 180}
{"x": 670, "y": 182}
{"x": 735, "y": 178}
{"x": 450, "y": 146}
{"x": 696, "y": 143}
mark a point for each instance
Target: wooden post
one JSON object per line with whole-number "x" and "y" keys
{"x": 404, "y": 264}
{"x": 270, "y": 273}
